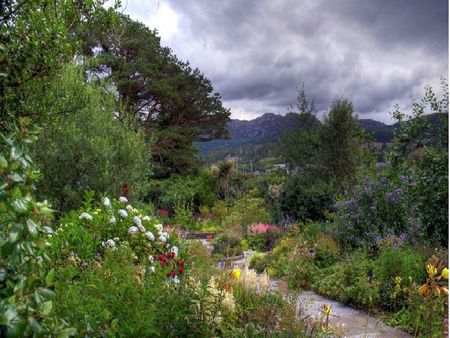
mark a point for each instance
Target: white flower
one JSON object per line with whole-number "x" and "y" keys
{"x": 162, "y": 238}
{"x": 107, "y": 202}
{"x": 152, "y": 268}
{"x": 129, "y": 207}
{"x": 151, "y": 259}
{"x": 174, "y": 250}
{"x": 123, "y": 213}
{"x": 146, "y": 218}
{"x": 150, "y": 236}
{"x": 137, "y": 221}
{"x": 175, "y": 280}
{"x": 110, "y": 243}
{"x": 141, "y": 228}
{"x": 112, "y": 220}
{"x": 123, "y": 199}
{"x": 159, "y": 227}
{"x": 133, "y": 230}
{"x": 86, "y": 216}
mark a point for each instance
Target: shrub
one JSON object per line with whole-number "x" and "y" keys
{"x": 376, "y": 207}
{"x": 84, "y": 147}
{"x": 248, "y": 210}
{"x": 227, "y": 245}
{"x": 326, "y": 251}
{"x": 262, "y": 237}
{"x": 258, "y": 262}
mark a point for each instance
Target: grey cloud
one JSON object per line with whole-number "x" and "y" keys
{"x": 257, "y": 52}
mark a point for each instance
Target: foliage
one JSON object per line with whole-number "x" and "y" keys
{"x": 26, "y": 299}
{"x": 305, "y": 197}
{"x": 83, "y": 147}
{"x": 377, "y": 206}
{"x": 262, "y": 237}
{"x": 227, "y": 245}
{"x": 327, "y": 251}
{"x": 174, "y": 102}
{"x": 248, "y": 210}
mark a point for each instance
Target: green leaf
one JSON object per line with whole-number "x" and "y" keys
{"x": 46, "y": 307}
{"x": 67, "y": 332}
{"x": 3, "y": 162}
{"x": 32, "y": 227}
{"x": 15, "y": 232}
{"x": 50, "y": 279}
{"x": 16, "y": 152}
{"x": 45, "y": 294}
{"x": 21, "y": 205}
{"x": 34, "y": 325}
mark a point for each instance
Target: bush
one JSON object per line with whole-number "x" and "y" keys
{"x": 262, "y": 237}
{"x": 227, "y": 245}
{"x": 327, "y": 251}
{"x": 84, "y": 147}
{"x": 248, "y": 210}
{"x": 305, "y": 198}
{"x": 376, "y": 207}
{"x": 258, "y": 262}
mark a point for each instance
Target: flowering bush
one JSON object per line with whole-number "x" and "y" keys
{"x": 262, "y": 237}
{"x": 377, "y": 207}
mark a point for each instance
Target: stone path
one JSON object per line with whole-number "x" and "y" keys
{"x": 349, "y": 322}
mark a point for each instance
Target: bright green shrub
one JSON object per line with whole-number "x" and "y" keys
{"x": 327, "y": 251}
{"x": 259, "y": 262}
{"x": 85, "y": 147}
{"x": 248, "y": 210}
{"x": 330, "y": 282}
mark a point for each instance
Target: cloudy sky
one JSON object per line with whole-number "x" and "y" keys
{"x": 258, "y": 52}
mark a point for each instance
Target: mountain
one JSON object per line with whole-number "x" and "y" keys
{"x": 256, "y": 139}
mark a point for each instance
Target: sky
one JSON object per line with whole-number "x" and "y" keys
{"x": 258, "y": 53}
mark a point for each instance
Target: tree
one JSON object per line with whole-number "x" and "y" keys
{"x": 84, "y": 147}
{"x": 175, "y": 103}
{"x": 340, "y": 140}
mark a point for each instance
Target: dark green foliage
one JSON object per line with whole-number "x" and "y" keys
{"x": 174, "y": 102}
{"x": 84, "y": 147}
{"x": 304, "y": 197}
{"x": 227, "y": 246}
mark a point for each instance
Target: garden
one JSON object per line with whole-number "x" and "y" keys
{"x": 98, "y": 199}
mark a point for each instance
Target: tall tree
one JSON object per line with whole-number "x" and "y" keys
{"x": 174, "y": 102}
{"x": 341, "y": 138}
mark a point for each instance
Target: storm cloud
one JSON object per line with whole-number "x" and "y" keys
{"x": 257, "y": 53}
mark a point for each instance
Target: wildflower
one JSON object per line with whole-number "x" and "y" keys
{"x": 228, "y": 301}
{"x": 133, "y": 230}
{"x": 137, "y": 221}
{"x": 110, "y": 243}
{"x": 85, "y": 216}
{"x": 112, "y": 220}
{"x": 235, "y": 274}
{"x": 146, "y": 218}
{"x": 444, "y": 273}
{"x": 123, "y": 213}
{"x": 445, "y": 290}
{"x": 159, "y": 227}
{"x": 123, "y": 199}
{"x": 150, "y": 236}
{"x": 174, "y": 250}
{"x": 107, "y": 202}
{"x": 326, "y": 309}
{"x": 151, "y": 259}
{"x": 162, "y": 238}
{"x": 152, "y": 268}
{"x": 423, "y": 290}
{"x": 431, "y": 270}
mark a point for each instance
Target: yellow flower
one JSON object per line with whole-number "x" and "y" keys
{"x": 445, "y": 290}
{"x": 431, "y": 270}
{"x": 444, "y": 273}
{"x": 326, "y": 309}
{"x": 235, "y": 274}
{"x": 398, "y": 280}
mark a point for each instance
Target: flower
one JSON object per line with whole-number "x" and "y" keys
{"x": 159, "y": 227}
{"x": 151, "y": 259}
{"x": 137, "y": 221}
{"x": 112, "y": 220}
{"x": 146, "y": 218}
{"x": 152, "y": 268}
{"x": 431, "y": 270}
{"x": 129, "y": 207}
{"x": 133, "y": 230}
{"x": 423, "y": 290}
{"x": 175, "y": 280}
{"x": 235, "y": 274}
{"x": 123, "y": 199}
{"x": 86, "y": 216}
{"x": 123, "y": 213}
{"x": 107, "y": 202}
{"x": 162, "y": 238}
{"x": 326, "y": 309}
{"x": 444, "y": 273}
{"x": 174, "y": 250}
{"x": 150, "y": 236}
{"x": 110, "y": 243}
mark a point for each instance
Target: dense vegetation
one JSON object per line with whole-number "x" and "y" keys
{"x": 100, "y": 182}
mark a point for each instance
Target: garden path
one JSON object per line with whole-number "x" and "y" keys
{"x": 349, "y": 322}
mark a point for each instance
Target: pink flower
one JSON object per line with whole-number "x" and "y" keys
{"x": 262, "y": 228}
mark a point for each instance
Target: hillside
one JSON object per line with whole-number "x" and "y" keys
{"x": 255, "y": 139}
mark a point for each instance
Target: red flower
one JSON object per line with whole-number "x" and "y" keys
{"x": 171, "y": 273}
